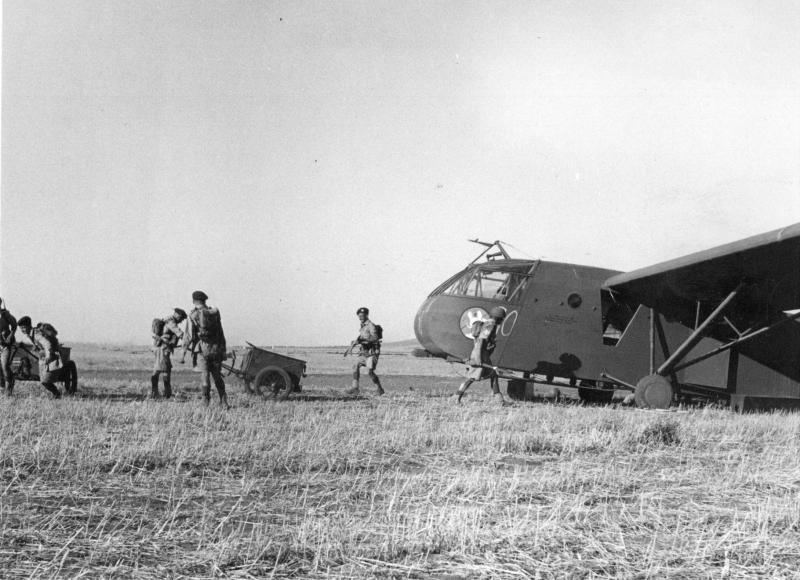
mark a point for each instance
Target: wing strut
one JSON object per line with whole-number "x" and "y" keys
{"x": 668, "y": 366}
{"x": 742, "y": 338}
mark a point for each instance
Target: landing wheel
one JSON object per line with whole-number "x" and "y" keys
{"x": 654, "y": 392}
{"x": 274, "y": 382}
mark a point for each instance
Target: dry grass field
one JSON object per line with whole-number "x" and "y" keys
{"x": 110, "y": 484}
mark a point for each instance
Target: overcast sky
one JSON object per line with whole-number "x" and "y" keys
{"x": 297, "y": 160}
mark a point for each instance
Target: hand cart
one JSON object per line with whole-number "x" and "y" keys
{"x": 25, "y": 366}
{"x": 267, "y": 373}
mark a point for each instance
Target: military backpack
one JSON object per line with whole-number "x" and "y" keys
{"x": 49, "y": 332}
{"x": 209, "y": 326}
{"x": 157, "y": 327}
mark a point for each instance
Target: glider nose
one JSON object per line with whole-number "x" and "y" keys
{"x": 424, "y": 329}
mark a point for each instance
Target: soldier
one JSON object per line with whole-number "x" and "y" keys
{"x": 45, "y": 343}
{"x": 207, "y": 339}
{"x": 164, "y": 345}
{"x": 369, "y": 345}
{"x": 484, "y": 333}
{"x": 8, "y": 329}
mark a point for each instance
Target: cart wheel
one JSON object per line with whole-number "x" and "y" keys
{"x": 274, "y": 382}
{"x": 71, "y": 380}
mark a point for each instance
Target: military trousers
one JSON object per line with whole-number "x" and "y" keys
{"x": 211, "y": 368}
{"x": 6, "y": 376}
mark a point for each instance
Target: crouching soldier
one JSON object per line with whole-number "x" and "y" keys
{"x": 484, "y": 333}
{"x": 207, "y": 339}
{"x": 369, "y": 345}
{"x": 8, "y": 329}
{"x": 166, "y": 336}
{"x": 45, "y": 342}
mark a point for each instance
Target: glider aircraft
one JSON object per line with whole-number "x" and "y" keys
{"x": 720, "y": 325}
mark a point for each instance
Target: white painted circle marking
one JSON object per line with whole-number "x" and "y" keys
{"x": 511, "y": 320}
{"x": 470, "y": 317}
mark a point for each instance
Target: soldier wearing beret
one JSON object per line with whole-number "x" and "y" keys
{"x": 368, "y": 343}
{"x": 164, "y": 345}
{"x": 207, "y": 339}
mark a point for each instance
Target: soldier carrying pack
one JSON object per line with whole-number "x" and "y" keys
{"x": 157, "y": 329}
{"x": 207, "y": 334}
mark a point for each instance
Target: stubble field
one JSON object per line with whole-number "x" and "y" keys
{"x": 110, "y": 484}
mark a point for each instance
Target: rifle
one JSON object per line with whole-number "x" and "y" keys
{"x": 189, "y": 346}
{"x": 352, "y": 346}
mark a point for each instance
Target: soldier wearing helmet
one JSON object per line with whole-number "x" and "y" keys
{"x": 369, "y": 345}
{"x": 164, "y": 344}
{"x": 484, "y": 333}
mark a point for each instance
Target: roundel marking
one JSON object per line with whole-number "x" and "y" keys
{"x": 508, "y": 323}
{"x": 470, "y": 317}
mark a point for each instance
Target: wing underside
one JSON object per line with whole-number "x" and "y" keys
{"x": 758, "y": 276}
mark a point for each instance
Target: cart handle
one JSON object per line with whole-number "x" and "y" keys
{"x": 230, "y": 367}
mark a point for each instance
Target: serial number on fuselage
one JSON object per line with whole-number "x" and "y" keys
{"x": 559, "y": 319}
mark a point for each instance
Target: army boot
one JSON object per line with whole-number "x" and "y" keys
{"x": 206, "y": 390}
{"x": 223, "y": 401}
{"x": 167, "y": 387}
{"x": 352, "y": 390}
{"x": 377, "y": 382}
{"x": 154, "y": 387}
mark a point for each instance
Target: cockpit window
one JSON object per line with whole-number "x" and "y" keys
{"x": 493, "y": 284}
